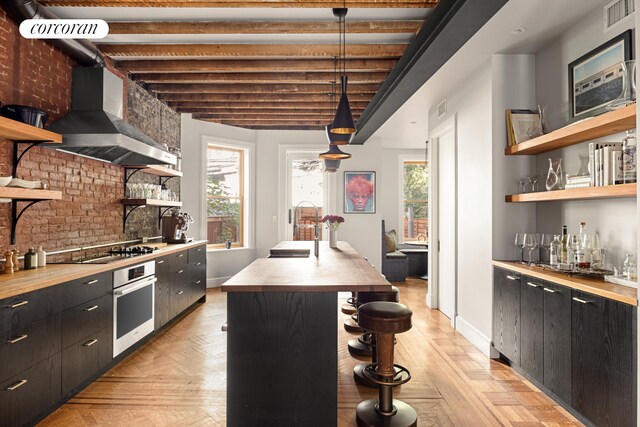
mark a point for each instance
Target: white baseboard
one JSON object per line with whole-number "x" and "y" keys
{"x": 216, "y": 282}
{"x": 474, "y": 336}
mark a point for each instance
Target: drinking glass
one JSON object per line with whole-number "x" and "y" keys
{"x": 531, "y": 241}
{"x": 519, "y": 242}
{"x": 535, "y": 180}
{"x": 545, "y": 242}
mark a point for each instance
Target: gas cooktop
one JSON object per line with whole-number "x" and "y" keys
{"x": 115, "y": 254}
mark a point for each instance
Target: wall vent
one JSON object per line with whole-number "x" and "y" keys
{"x": 617, "y": 12}
{"x": 442, "y": 109}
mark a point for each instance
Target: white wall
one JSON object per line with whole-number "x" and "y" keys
{"x": 612, "y": 219}
{"x": 472, "y": 106}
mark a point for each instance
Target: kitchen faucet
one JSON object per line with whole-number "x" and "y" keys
{"x": 316, "y": 247}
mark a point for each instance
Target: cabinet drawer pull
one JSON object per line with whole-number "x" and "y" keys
{"x": 551, "y": 291}
{"x": 181, "y": 271}
{"x": 180, "y": 255}
{"x": 17, "y": 385}
{"x": 91, "y": 282}
{"x": 19, "y": 304}
{"x": 512, "y": 278}
{"x": 93, "y": 307}
{"x": 160, "y": 262}
{"x": 181, "y": 292}
{"x": 198, "y": 263}
{"x": 533, "y": 285}
{"x": 198, "y": 250}
{"x": 198, "y": 282}
{"x": 581, "y": 301}
{"x": 15, "y": 340}
{"x": 90, "y": 343}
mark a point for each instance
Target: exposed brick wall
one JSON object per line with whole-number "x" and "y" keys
{"x": 34, "y": 73}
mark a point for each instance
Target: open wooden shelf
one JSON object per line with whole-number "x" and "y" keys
{"x": 590, "y": 193}
{"x": 17, "y": 193}
{"x": 18, "y": 131}
{"x": 157, "y": 170}
{"x": 594, "y": 127}
{"x": 150, "y": 202}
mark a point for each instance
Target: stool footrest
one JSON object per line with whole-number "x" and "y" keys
{"x": 401, "y": 376}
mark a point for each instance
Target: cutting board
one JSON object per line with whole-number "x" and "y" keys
{"x": 156, "y": 245}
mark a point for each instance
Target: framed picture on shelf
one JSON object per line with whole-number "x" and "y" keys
{"x": 596, "y": 79}
{"x": 359, "y": 192}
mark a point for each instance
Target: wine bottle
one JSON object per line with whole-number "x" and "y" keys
{"x": 564, "y": 247}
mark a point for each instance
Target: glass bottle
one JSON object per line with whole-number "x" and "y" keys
{"x": 564, "y": 246}
{"x": 629, "y": 157}
{"x": 554, "y": 250}
{"x": 573, "y": 251}
{"x": 555, "y": 177}
{"x": 629, "y": 270}
{"x": 583, "y": 251}
{"x": 30, "y": 259}
{"x": 597, "y": 258}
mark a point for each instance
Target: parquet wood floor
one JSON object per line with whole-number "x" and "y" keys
{"x": 178, "y": 378}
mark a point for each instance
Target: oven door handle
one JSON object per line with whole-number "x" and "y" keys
{"x": 135, "y": 287}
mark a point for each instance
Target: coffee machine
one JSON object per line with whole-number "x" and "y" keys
{"x": 174, "y": 227}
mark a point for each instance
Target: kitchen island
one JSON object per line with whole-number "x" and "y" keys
{"x": 282, "y": 357}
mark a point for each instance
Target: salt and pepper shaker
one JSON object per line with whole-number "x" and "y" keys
{"x": 31, "y": 259}
{"x": 16, "y": 263}
{"x": 8, "y": 262}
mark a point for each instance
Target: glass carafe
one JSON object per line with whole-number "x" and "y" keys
{"x": 555, "y": 177}
{"x": 554, "y": 250}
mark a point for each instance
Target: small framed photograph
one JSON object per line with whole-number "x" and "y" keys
{"x": 596, "y": 79}
{"x": 359, "y": 192}
{"x": 526, "y": 126}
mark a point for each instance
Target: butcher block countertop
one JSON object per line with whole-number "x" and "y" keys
{"x": 335, "y": 270}
{"x": 24, "y": 281}
{"x": 599, "y": 287}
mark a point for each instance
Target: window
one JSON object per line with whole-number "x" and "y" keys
{"x": 415, "y": 194}
{"x": 225, "y": 196}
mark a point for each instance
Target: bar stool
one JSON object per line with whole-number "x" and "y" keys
{"x": 362, "y": 346}
{"x": 350, "y": 306}
{"x": 385, "y": 319}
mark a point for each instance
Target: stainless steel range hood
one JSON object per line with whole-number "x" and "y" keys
{"x": 94, "y": 126}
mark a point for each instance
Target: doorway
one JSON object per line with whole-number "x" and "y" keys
{"x": 443, "y": 275}
{"x": 306, "y": 187}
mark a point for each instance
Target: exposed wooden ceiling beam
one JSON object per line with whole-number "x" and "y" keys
{"x": 245, "y": 4}
{"x": 291, "y": 77}
{"x": 194, "y": 106}
{"x": 253, "y": 50}
{"x": 259, "y": 97}
{"x": 255, "y": 112}
{"x": 319, "y": 124}
{"x": 252, "y": 65}
{"x": 265, "y": 27}
{"x": 266, "y": 118}
{"x": 256, "y": 88}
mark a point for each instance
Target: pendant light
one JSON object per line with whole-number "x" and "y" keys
{"x": 336, "y": 138}
{"x": 334, "y": 153}
{"x": 331, "y": 165}
{"x": 343, "y": 121}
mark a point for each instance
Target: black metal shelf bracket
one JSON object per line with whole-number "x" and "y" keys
{"x": 166, "y": 178}
{"x": 15, "y": 215}
{"x": 17, "y": 156}
{"x": 126, "y": 213}
{"x": 161, "y": 213}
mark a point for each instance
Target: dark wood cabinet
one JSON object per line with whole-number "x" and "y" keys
{"x": 86, "y": 318}
{"x": 31, "y": 394}
{"x": 22, "y": 310}
{"x": 532, "y": 327}
{"x": 603, "y": 360}
{"x": 88, "y": 288}
{"x": 162, "y": 292}
{"x": 26, "y": 346}
{"x": 557, "y": 339}
{"x": 506, "y": 314}
{"x": 85, "y": 359}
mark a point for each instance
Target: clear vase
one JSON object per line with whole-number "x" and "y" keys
{"x": 555, "y": 177}
{"x": 333, "y": 238}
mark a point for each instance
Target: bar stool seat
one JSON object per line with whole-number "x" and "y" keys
{"x": 361, "y": 346}
{"x": 385, "y": 319}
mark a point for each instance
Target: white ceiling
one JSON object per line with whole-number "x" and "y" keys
{"x": 544, "y": 20}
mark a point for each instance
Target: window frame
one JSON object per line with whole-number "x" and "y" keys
{"x": 241, "y": 194}
{"x": 409, "y": 160}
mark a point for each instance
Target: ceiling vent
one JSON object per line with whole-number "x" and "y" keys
{"x": 442, "y": 109}
{"x": 617, "y": 12}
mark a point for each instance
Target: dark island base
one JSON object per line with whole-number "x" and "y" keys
{"x": 282, "y": 359}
